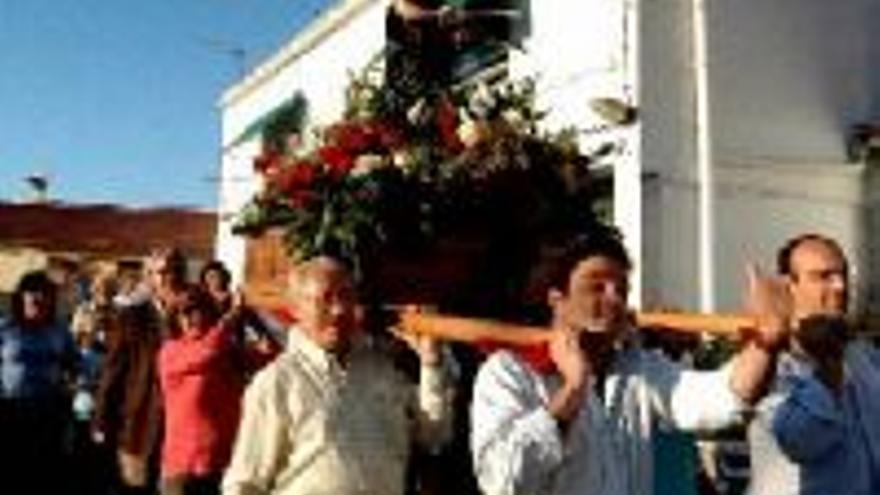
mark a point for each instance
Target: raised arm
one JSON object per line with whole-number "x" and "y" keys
{"x": 692, "y": 400}
{"x": 680, "y": 395}
{"x": 435, "y": 393}
{"x": 755, "y": 365}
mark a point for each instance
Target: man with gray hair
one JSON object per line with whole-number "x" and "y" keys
{"x": 332, "y": 415}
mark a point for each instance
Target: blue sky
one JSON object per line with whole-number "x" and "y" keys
{"x": 116, "y": 100}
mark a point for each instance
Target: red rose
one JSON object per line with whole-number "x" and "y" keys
{"x": 337, "y": 160}
{"x": 295, "y": 178}
{"x": 353, "y": 137}
{"x": 301, "y": 199}
{"x": 268, "y": 160}
{"x": 389, "y": 137}
{"x": 447, "y": 124}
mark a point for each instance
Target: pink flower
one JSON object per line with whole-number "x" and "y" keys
{"x": 447, "y": 124}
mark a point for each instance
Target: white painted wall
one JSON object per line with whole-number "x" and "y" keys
{"x": 586, "y": 49}
{"x": 667, "y": 111}
{"x": 355, "y": 32}
{"x": 786, "y": 80}
{"x": 790, "y": 76}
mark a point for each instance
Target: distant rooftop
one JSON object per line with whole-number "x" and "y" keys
{"x": 107, "y": 230}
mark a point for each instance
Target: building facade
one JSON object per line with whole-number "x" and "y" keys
{"x": 746, "y": 110}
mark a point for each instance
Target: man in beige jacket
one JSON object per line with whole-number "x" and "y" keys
{"x": 332, "y": 415}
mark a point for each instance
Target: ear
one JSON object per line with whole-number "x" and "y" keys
{"x": 554, "y": 297}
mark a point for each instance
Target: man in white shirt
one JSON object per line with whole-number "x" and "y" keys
{"x": 331, "y": 415}
{"x": 584, "y": 426}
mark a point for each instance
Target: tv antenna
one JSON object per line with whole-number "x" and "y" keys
{"x": 38, "y": 187}
{"x": 233, "y": 50}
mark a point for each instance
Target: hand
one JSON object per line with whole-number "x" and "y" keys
{"x": 770, "y": 302}
{"x": 570, "y": 359}
{"x": 264, "y": 346}
{"x": 575, "y": 368}
{"x": 427, "y": 348}
{"x": 239, "y": 300}
{"x": 98, "y": 437}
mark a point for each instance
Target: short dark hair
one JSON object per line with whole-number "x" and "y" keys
{"x": 784, "y": 255}
{"x": 552, "y": 267}
{"x": 603, "y": 240}
{"x": 33, "y": 281}
{"x": 220, "y": 268}
{"x": 195, "y": 297}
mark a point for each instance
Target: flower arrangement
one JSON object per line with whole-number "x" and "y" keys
{"x": 398, "y": 175}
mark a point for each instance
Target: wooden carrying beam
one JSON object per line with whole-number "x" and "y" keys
{"x": 474, "y": 330}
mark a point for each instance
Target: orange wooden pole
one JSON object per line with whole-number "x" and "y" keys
{"x": 473, "y": 330}
{"x": 470, "y": 330}
{"x": 716, "y": 324}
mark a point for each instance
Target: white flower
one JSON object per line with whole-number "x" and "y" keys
{"x": 522, "y": 86}
{"x": 403, "y": 159}
{"x": 482, "y": 101}
{"x": 365, "y": 164}
{"x": 418, "y": 114}
{"x": 367, "y": 94}
{"x": 515, "y": 118}
{"x": 472, "y": 132}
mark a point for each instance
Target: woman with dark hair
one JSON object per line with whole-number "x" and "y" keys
{"x": 37, "y": 363}
{"x": 202, "y": 376}
{"x": 215, "y": 279}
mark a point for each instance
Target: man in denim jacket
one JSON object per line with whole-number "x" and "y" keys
{"x": 818, "y": 431}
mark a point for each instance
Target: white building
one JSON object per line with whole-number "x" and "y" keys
{"x": 745, "y": 111}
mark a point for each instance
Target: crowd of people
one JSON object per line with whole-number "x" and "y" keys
{"x": 178, "y": 388}
{"x": 140, "y": 390}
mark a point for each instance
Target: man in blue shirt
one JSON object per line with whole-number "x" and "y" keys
{"x": 818, "y": 431}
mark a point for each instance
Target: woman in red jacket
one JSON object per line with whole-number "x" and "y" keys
{"x": 202, "y": 376}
